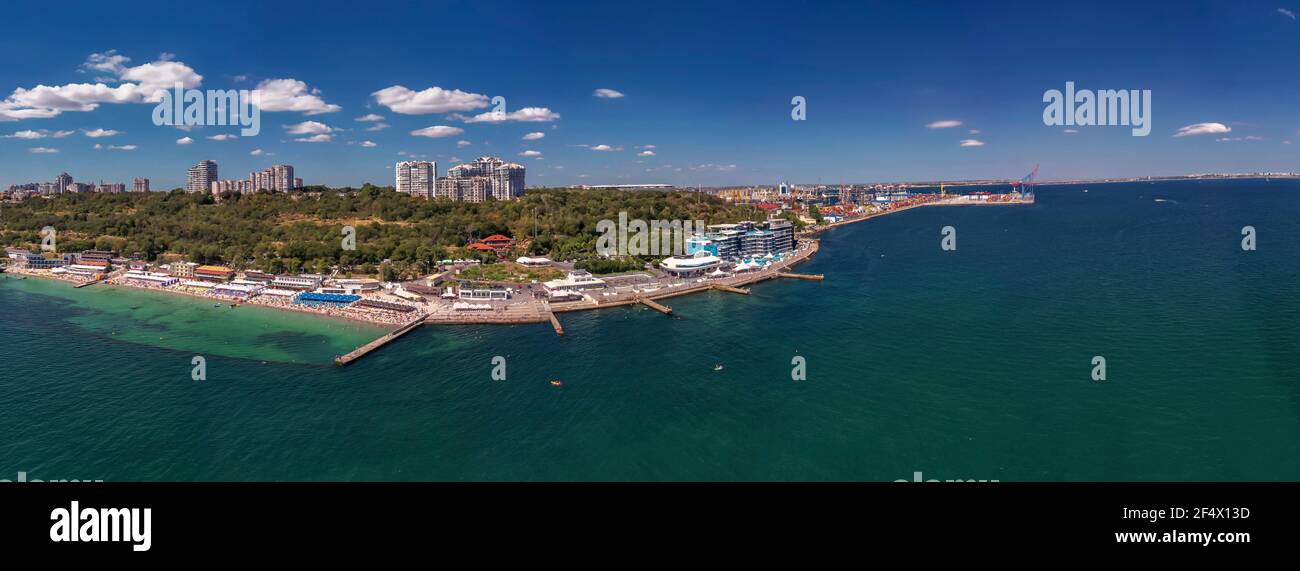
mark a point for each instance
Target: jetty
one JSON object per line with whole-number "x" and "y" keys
{"x": 732, "y": 289}
{"x": 652, "y": 304}
{"x": 363, "y": 350}
{"x": 815, "y": 277}
{"x": 89, "y": 283}
{"x": 555, "y": 322}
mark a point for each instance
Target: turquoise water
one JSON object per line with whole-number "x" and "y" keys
{"x": 971, "y": 364}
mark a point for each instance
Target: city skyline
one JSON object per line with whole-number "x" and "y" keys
{"x": 639, "y": 99}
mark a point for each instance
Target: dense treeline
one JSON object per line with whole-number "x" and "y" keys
{"x": 302, "y": 231}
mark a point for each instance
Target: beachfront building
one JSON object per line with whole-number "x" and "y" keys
{"x": 148, "y": 279}
{"x": 259, "y": 277}
{"x": 352, "y": 286}
{"x": 16, "y": 254}
{"x": 35, "y": 261}
{"x": 238, "y": 290}
{"x": 100, "y": 255}
{"x": 744, "y": 239}
{"x": 213, "y": 273}
{"x": 183, "y": 270}
{"x": 295, "y": 283}
{"x": 576, "y": 281}
{"x": 488, "y": 293}
{"x": 416, "y": 178}
{"x": 690, "y": 266}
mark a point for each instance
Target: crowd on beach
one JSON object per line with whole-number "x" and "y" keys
{"x": 367, "y": 314}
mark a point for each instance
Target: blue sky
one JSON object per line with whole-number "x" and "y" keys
{"x": 708, "y": 85}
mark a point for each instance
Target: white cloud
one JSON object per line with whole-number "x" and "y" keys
{"x": 41, "y": 134}
{"x": 292, "y": 95}
{"x": 369, "y": 144}
{"x": 535, "y": 135}
{"x": 972, "y": 143}
{"x": 321, "y": 138}
{"x": 604, "y": 93}
{"x": 370, "y": 117}
{"x": 713, "y": 167}
{"x": 647, "y": 147}
{"x": 605, "y": 148}
{"x": 525, "y": 115}
{"x": 463, "y": 144}
{"x": 107, "y": 62}
{"x": 184, "y": 141}
{"x": 257, "y": 152}
{"x": 377, "y": 127}
{"x": 1235, "y": 139}
{"x": 1287, "y": 13}
{"x": 944, "y": 124}
{"x": 138, "y": 85}
{"x": 222, "y": 137}
{"x": 1071, "y": 131}
{"x": 438, "y": 131}
{"x": 308, "y": 128}
{"x": 1203, "y": 129}
{"x": 646, "y": 154}
{"x": 974, "y": 131}
{"x": 435, "y": 99}
{"x": 530, "y": 153}
{"x": 98, "y": 133}
{"x": 161, "y": 75}
{"x": 42, "y": 150}
{"x": 122, "y": 147}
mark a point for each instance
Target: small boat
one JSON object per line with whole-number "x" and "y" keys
{"x": 557, "y": 383}
{"x": 717, "y": 366}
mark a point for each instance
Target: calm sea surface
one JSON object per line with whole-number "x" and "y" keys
{"x": 972, "y": 364}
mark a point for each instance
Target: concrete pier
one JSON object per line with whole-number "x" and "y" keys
{"x": 725, "y": 287}
{"x": 656, "y": 306}
{"x": 816, "y": 277}
{"x": 363, "y": 350}
{"x": 555, "y": 322}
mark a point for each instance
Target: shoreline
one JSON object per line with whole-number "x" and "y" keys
{"x": 438, "y": 312}
{"x": 173, "y": 291}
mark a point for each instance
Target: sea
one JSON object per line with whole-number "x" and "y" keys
{"x": 907, "y": 362}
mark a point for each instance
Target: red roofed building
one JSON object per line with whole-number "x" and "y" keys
{"x": 498, "y": 241}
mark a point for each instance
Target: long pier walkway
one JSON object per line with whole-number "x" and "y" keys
{"x": 361, "y": 351}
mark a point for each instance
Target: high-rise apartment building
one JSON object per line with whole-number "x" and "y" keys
{"x": 277, "y": 177}
{"x": 416, "y": 178}
{"x": 200, "y": 177}
{"x": 505, "y": 180}
{"x": 463, "y": 189}
{"x": 61, "y": 183}
{"x": 141, "y": 185}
